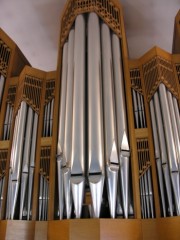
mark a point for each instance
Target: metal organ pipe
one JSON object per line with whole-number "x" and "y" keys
{"x": 77, "y": 164}
{"x": 60, "y": 158}
{"x": 158, "y": 157}
{"x": 111, "y": 155}
{"x": 176, "y": 109}
{"x": 106, "y": 137}
{"x": 32, "y": 163}
{"x": 121, "y": 121}
{"x": 170, "y": 145}
{"x": 163, "y": 152}
{"x": 17, "y": 159}
{"x": 95, "y": 115}
{"x": 68, "y": 125}
{"x": 174, "y": 127}
{"x": 25, "y": 162}
{"x": 2, "y": 81}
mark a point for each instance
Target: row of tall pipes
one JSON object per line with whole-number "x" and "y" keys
{"x": 93, "y": 142}
{"x": 166, "y": 134}
{"x": 22, "y": 164}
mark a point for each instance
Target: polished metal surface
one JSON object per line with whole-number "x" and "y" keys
{"x": 6, "y": 121}
{"x": 62, "y": 101}
{"x": 68, "y": 126}
{"x": 121, "y": 121}
{"x": 78, "y": 123}
{"x": 62, "y": 104}
{"x": 163, "y": 152}
{"x": 51, "y": 117}
{"x": 92, "y": 137}
{"x": 111, "y": 155}
{"x": 60, "y": 185}
{"x": 17, "y": 158}
{"x": 2, "y": 81}
{"x": 176, "y": 109}
{"x": 77, "y": 164}
{"x": 174, "y": 126}
{"x": 69, "y": 99}
{"x": 171, "y": 150}
{"x": 32, "y": 164}
{"x": 136, "y": 113}
{"x": 95, "y": 111}
{"x": 158, "y": 157}
{"x": 25, "y": 160}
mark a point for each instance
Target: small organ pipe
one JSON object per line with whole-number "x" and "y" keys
{"x": 9, "y": 122}
{"x": 176, "y": 109}
{"x": 158, "y": 157}
{"x": 32, "y": 162}
{"x": 2, "y": 81}
{"x": 15, "y": 177}
{"x": 6, "y": 122}
{"x": 136, "y": 113}
{"x": 51, "y": 117}
{"x": 25, "y": 160}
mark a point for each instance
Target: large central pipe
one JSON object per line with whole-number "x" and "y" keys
{"x": 95, "y": 117}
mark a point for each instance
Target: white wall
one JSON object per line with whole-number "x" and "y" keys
{"x": 35, "y": 25}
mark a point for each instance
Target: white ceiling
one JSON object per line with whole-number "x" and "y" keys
{"x": 35, "y": 25}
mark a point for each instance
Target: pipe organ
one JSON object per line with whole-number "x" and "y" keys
{"x": 94, "y": 144}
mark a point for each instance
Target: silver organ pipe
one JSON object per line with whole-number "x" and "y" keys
{"x": 121, "y": 121}
{"x": 111, "y": 155}
{"x": 95, "y": 115}
{"x": 163, "y": 152}
{"x": 51, "y": 117}
{"x": 176, "y": 109}
{"x": 32, "y": 164}
{"x": 158, "y": 158}
{"x": 60, "y": 157}
{"x": 68, "y": 125}
{"x": 6, "y": 121}
{"x": 171, "y": 150}
{"x": 25, "y": 164}
{"x": 99, "y": 151}
{"x": 174, "y": 127}
{"x": 77, "y": 163}
{"x": 16, "y": 158}
{"x": 2, "y": 81}
{"x": 22, "y": 161}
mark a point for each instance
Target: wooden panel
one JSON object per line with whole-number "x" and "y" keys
{"x": 40, "y": 230}
{"x": 120, "y": 229}
{"x": 149, "y": 229}
{"x": 169, "y": 228}
{"x": 3, "y": 225}
{"x": 85, "y": 229}
{"x": 58, "y": 230}
{"x": 17, "y": 230}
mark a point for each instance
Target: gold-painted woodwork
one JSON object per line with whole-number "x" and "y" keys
{"x": 108, "y": 11}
